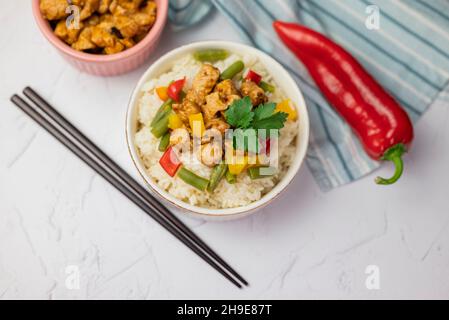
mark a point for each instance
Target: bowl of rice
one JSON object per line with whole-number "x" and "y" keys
{"x": 230, "y": 90}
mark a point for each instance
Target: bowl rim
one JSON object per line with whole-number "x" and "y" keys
{"x": 203, "y": 212}
{"x": 152, "y": 36}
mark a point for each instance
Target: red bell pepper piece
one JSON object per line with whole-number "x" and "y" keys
{"x": 170, "y": 162}
{"x": 253, "y": 76}
{"x": 381, "y": 124}
{"x": 267, "y": 146}
{"x": 175, "y": 88}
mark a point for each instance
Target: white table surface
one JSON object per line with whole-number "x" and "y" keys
{"x": 55, "y": 212}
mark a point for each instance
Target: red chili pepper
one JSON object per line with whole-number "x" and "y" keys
{"x": 253, "y": 76}
{"x": 382, "y": 126}
{"x": 175, "y": 88}
{"x": 170, "y": 162}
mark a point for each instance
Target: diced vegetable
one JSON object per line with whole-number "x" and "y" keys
{"x": 211, "y": 55}
{"x": 175, "y": 89}
{"x": 174, "y": 121}
{"x": 197, "y": 118}
{"x": 237, "y": 168}
{"x": 230, "y": 178}
{"x": 285, "y": 106}
{"x": 191, "y": 178}
{"x": 161, "y": 126}
{"x": 267, "y": 146}
{"x": 217, "y": 174}
{"x": 267, "y": 87}
{"x": 170, "y": 162}
{"x": 253, "y": 76}
{"x": 163, "y": 110}
{"x": 231, "y": 71}
{"x": 162, "y": 93}
{"x": 255, "y": 172}
{"x": 165, "y": 141}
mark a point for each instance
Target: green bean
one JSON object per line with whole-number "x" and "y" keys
{"x": 232, "y": 70}
{"x": 267, "y": 87}
{"x": 165, "y": 141}
{"x": 254, "y": 172}
{"x": 191, "y": 178}
{"x": 163, "y": 109}
{"x": 217, "y": 174}
{"x": 230, "y": 178}
{"x": 161, "y": 126}
{"x": 211, "y": 55}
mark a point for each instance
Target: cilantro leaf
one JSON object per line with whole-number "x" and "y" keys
{"x": 264, "y": 111}
{"x": 275, "y": 121}
{"x": 239, "y": 114}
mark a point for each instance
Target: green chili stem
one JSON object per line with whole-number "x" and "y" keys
{"x": 211, "y": 55}
{"x": 393, "y": 154}
{"x": 191, "y": 178}
{"x": 232, "y": 70}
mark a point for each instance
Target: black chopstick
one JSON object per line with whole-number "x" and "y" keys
{"x": 125, "y": 177}
{"x": 85, "y": 157}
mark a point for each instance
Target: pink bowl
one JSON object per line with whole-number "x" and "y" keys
{"x": 107, "y": 65}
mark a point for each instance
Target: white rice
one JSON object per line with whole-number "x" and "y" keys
{"x": 226, "y": 195}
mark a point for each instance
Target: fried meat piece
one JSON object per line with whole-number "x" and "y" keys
{"x": 254, "y": 92}
{"x": 53, "y": 9}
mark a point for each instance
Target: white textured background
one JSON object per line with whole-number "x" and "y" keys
{"x": 55, "y": 212}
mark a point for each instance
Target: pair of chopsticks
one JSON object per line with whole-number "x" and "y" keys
{"x": 66, "y": 133}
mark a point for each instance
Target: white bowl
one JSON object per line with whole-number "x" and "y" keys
{"x": 282, "y": 79}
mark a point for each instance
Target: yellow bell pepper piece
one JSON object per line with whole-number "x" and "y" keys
{"x": 174, "y": 121}
{"x": 162, "y": 92}
{"x": 196, "y": 121}
{"x": 239, "y": 165}
{"x": 286, "y": 106}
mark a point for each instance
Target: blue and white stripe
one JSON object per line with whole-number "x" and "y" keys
{"x": 409, "y": 55}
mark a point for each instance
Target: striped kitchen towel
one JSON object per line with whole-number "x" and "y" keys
{"x": 408, "y": 54}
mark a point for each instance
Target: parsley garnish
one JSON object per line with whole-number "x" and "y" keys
{"x": 240, "y": 115}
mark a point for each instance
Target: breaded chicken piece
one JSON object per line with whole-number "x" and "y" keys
{"x": 87, "y": 7}
{"x": 213, "y": 105}
{"x": 84, "y": 41}
{"x": 127, "y": 26}
{"x": 70, "y": 36}
{"x": 104, "y": 6}
{"x": 116, "y": 48}
{"x": 102, "y": 35}
{"x": 217, "y": 123}
{"x": 204, "y": 82}
{"x": 128, "y": 43}
{"x": 216, "y": 103}
{"x": 186, "y": 108}
{"x": 226, "y": 88}
{"x": 150, "y": 8}
{"x": 93, "y": 20}
{"x": 53, "y": 9}
{"x": 254, "y": 92}
{"x": 125, "y": 6}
